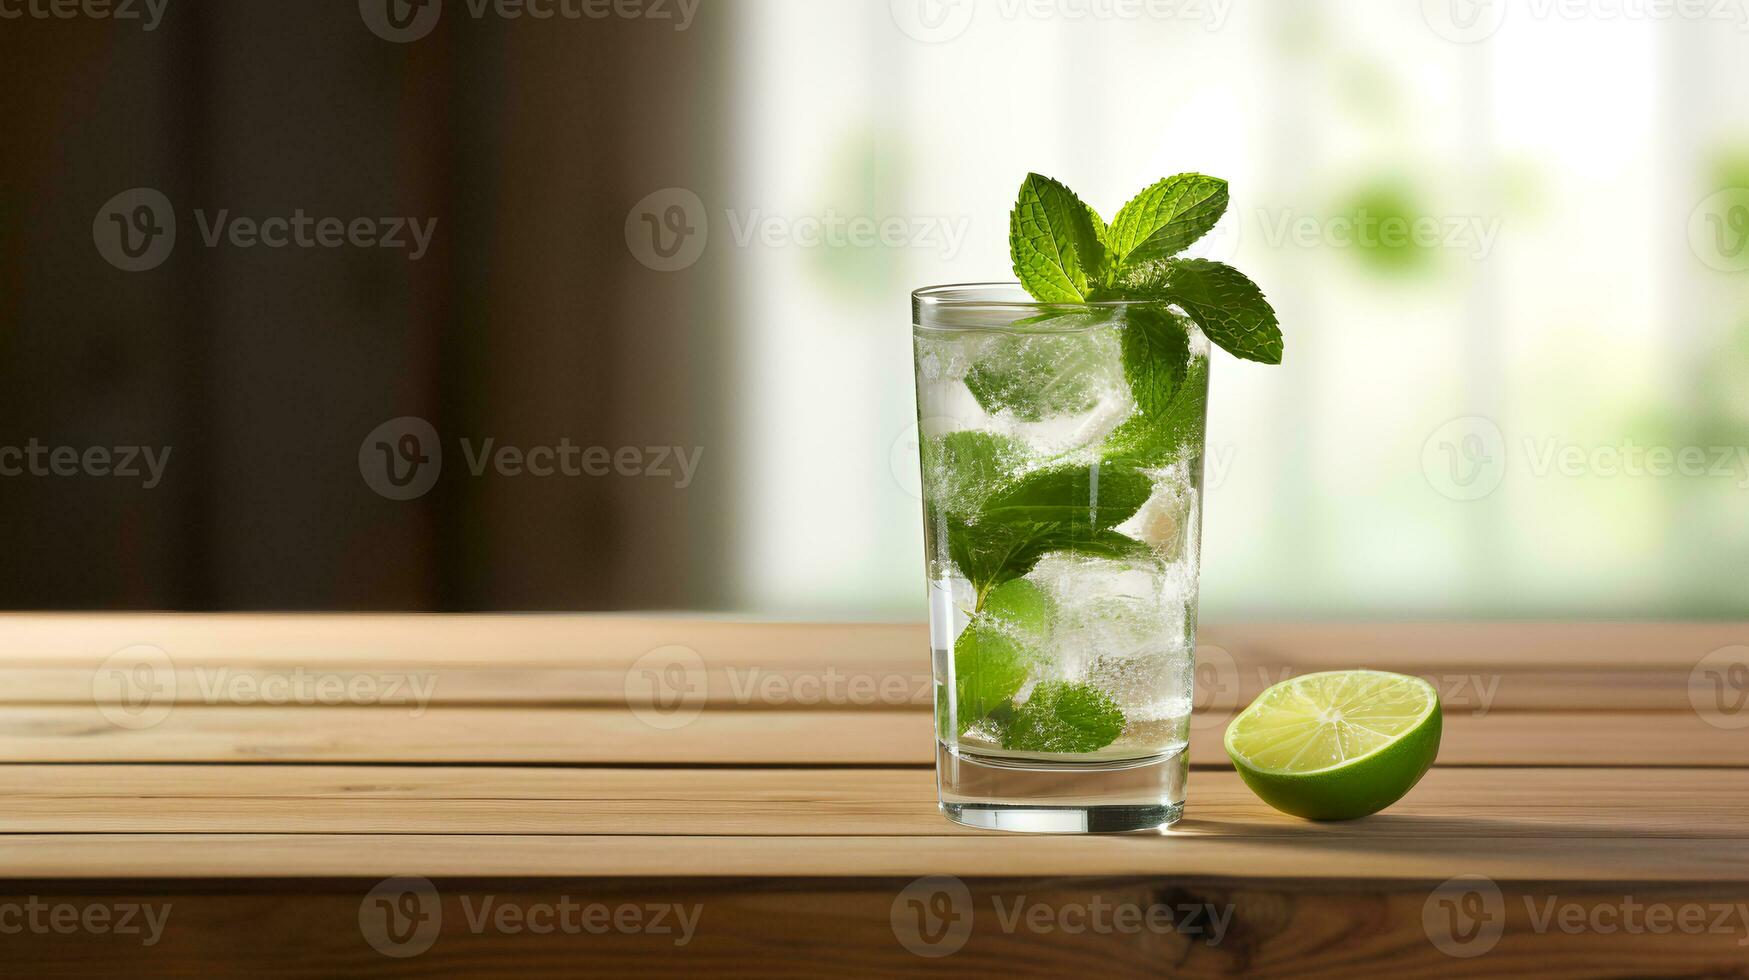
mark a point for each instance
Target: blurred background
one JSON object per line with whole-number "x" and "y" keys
{"x": 671, "y": 242}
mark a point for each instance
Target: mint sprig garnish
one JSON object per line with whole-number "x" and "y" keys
{"x": 1056, "y": 247}
{"x": 1167, "y": 218}
{"x": 1065, "y": 253}
{"x": 1228, "y": 307}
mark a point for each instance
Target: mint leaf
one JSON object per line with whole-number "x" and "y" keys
{"x": 1064, "y": 717}
{"x": 1055, "y": 245}
{"x": 1156, "y": 354}
{"x": 1110, "y": 544}
{"x": 1022, "y": 606}
{"x": 967, "y": 466}
{"x": 992, "y": 653}
{"x": 1167, "y": 218}
{"x": 1073, "y": 498}
{"x": 1228, "y": 306}
{"x": 1170, "y": 388}
{"x": 991, "y": 553}
{"x": 1051, "y": 510}
{"x": 994, "y": 555}
{"x": 989, "y": 668}
{"x": 1102, "y": 234}
{"x": 1168, "y": 435}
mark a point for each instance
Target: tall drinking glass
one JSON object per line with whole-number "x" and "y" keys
{"x": 1062, "y": 455}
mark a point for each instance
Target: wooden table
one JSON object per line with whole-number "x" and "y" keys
{"x": 346, "y": 794}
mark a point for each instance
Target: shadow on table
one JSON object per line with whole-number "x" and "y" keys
{"x": 1411, "y": 834}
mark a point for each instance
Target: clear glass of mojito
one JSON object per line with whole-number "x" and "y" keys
{"x": 1062, "y": 455}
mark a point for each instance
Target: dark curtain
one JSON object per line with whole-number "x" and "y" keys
{"x": 261, "y": 370}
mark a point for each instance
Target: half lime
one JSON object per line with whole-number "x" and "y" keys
{"x": 1337, "y": 745}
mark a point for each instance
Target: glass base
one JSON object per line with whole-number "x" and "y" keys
{"x": 1061, "y": 797}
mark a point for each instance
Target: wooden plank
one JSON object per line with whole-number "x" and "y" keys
{"x": 1182, "y": 927}
{"x": 824, "y": 684}
{"x": 1287, "y": 857}
{"x": 605, "y": 659}
{"x": 1694, "y": 804}
{"x": 472, "y": 735}
{"x": 1225, "y": 686}
{"x": 585, "y": 736}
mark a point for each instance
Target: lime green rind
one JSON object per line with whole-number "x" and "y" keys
{"x": 1356, "y": 787}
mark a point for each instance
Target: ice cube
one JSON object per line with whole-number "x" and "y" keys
{"x": 1123, "y": 626}
{"x": 950, "y": 602}
{"x": 945, "y": 358}
{"x": 1164, "y": 520}
{"x": 1058, "y": 393}
{"x": 1033, "y": 377}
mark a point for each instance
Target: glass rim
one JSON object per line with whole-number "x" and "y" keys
{"x": 1000, "y": 305}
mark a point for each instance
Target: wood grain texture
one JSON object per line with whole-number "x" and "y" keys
{"x": 1696, "y": 804}
{"x": 585, "y": 659}
{"x": 1013, "y": 926}
{"x": 713, "y": 736}
{"x": 887, "y": 683}
{"x": 1414, "y": 857}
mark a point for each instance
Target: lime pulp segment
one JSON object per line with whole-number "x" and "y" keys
{"x": 1329, "y": 720}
